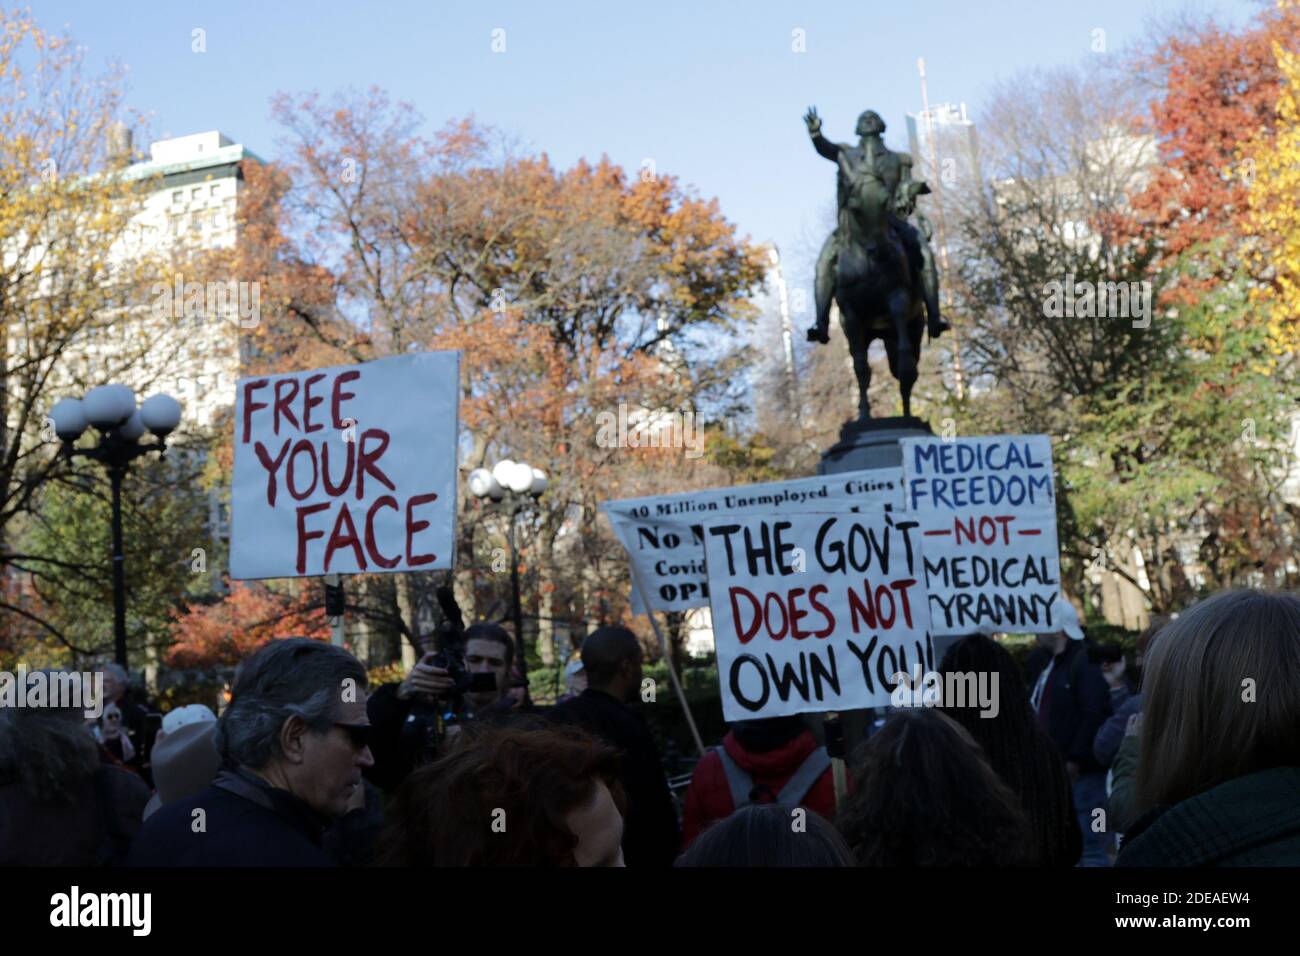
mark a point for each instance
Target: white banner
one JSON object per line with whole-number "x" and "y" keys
{"x": 663, "y": 534}
{"x": 815, "y": 612}
{"x": 989, "y": 471}
{"x": 987, "y": 513}
{"x": 347, "y": 469}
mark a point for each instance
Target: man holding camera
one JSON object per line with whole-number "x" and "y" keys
{"x": 467, "y": 679}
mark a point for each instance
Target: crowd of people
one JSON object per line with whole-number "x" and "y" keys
{"x": 1193, "y": 759}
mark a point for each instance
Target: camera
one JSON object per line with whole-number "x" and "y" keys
{"x": 429, "y": 717}
{"x": 450, "y": 656}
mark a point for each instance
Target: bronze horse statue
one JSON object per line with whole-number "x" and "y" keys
{"x": 877, "y": 287}
{"x": 878, "y": 268}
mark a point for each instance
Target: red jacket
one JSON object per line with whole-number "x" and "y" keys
{"x": 709, "y": 798}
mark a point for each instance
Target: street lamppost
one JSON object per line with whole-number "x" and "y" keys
{"x": 513, "y": 487}
{"x": 111, "y": 409}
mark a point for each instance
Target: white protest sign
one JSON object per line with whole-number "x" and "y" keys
{"x": 347, "y": 469}
{"x": 663, "y": 538}
{"x": 989, "y": 471}
{"x": 987, "y": 513}
{"x": 833, "y": 636}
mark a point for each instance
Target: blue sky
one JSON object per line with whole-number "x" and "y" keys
{"x": 711, "y": 92}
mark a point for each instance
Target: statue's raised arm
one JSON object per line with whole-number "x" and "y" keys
{"x": 820, "y": 143}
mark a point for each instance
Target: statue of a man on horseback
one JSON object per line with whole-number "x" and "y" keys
{"x": 876, "y": 265}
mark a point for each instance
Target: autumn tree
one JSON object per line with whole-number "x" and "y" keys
{"x": 571, "y": 292}
{"x": 1271, "y": 223}
{"x": 1218, "y": 91}
{"x": 227, "y": 632}
{"x": 75, "y": 273}
{"x": 1164, "y": 418}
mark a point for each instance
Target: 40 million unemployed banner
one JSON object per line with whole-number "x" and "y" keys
{"x": 663, "y": 534}
{"x": 346, "y": 469}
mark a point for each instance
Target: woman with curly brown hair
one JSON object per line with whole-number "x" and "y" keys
{"x": 510, "y": 796}
{"x": 924, "y": 795}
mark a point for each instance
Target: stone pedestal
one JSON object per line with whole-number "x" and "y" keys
{"x": 873, "y": 443}
{"x": 865, "y": 445}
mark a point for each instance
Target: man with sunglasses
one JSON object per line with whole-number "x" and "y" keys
{"x": 294, "y": 741}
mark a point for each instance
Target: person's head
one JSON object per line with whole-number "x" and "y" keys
{"x": 116, "y": 682}
{"x": 765, "y": 834}
{"x": 575, "y": 678}
{"x": 297, "y": 718}
{"x": 184, "y": 762}
{"x": 49, "y": 750}
{"x": 924, "y": 795}
{"x": 1220, "y": 695}
{"x": 1011, "y": 738}
{"x": 489, "y": 650}
{"x": 1054, "y": 641}
{"x": 870, "y": 124}
{"x": 611, "y": 656}
{"x": 984, "y": 659}
{"x": 110, "y": 721}
{"x": 761, "y": 736}
{"x": 510, "y": 796}
{"x": 1142, "y": 646}
{"x": 179, "y": 717}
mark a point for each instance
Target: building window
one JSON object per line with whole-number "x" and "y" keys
{"x": 178, "y": 197}
{"x": 215, "y": 191}
{"x": 196, "y": 193}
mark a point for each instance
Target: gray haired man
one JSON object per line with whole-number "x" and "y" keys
{"x": 294, "y": 743}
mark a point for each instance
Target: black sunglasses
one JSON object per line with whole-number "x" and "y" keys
{"x": 359, "y": 734}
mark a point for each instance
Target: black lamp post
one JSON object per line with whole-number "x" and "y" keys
{"x": 514, "y": 486}
{"x": 111, "y": 409}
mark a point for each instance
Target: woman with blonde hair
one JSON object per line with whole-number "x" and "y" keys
{"x": 1219, "y": 773}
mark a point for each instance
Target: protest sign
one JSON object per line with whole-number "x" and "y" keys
{"x": 990, "y": 471}
{"x": 986, "y": 508}
{"x": 815, "y": 612}
{"x": 664, "y": 539}
{"x": 991, "y": 571}
{"x": 346, "y": 469}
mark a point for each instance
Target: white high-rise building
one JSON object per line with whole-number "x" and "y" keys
{"x": 942, "y": 143}
{"x": 196, "y": 325}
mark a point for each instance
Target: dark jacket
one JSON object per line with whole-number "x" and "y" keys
{"x": 1123, "y": 784}
{"x": 709, "y": 796}
{"x": 257, "y": 825}
{"x": 396, "y": 747}
{"x": 403, "y": 732}
{"x": 1076, "y": 701}
{"x": 1111, "y": 733}
{"x": 650, "y": 834}
{"x": 1250, "y": 821}
{"x": 94, "y": 829}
